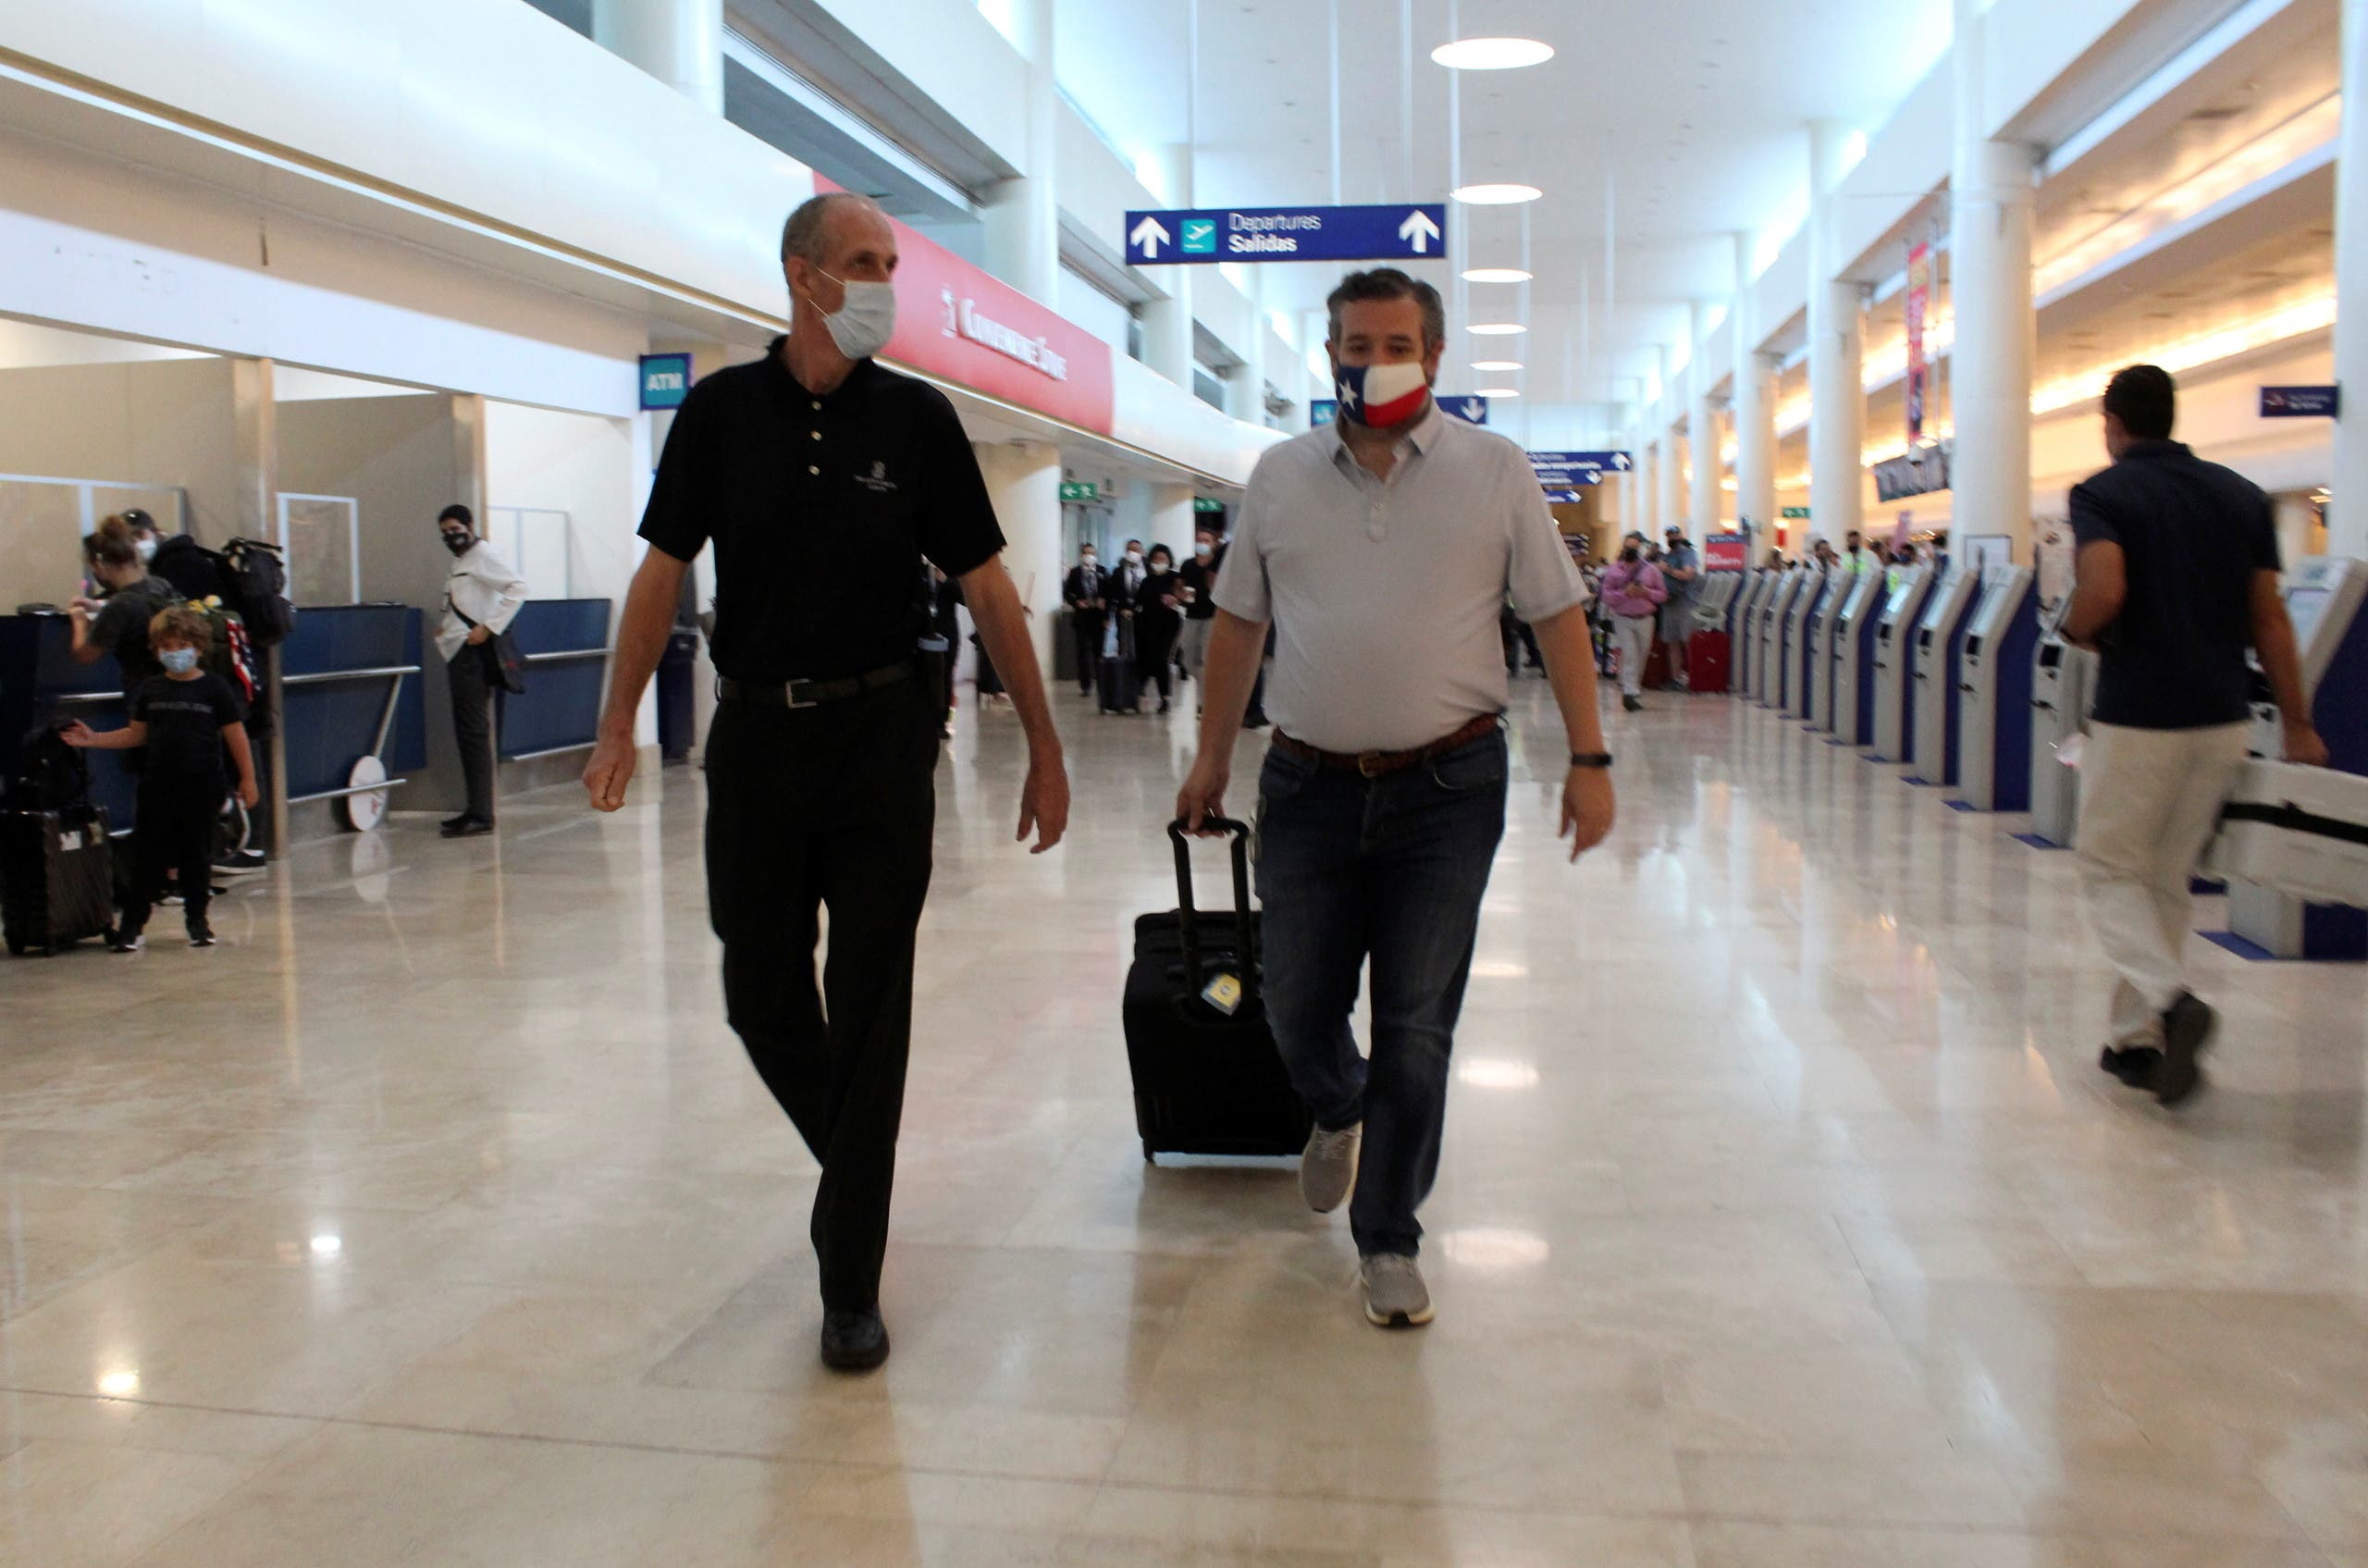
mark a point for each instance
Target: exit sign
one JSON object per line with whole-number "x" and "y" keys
{"x": 1207, "y": 503}
{"x": 1797, "y": 513}
{"x": 1081, "y": 489}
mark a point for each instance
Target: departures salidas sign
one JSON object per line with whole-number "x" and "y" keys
{"x": 1406, "y": 232}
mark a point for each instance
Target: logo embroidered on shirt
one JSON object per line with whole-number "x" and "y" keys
{"x": 877, "y": 481}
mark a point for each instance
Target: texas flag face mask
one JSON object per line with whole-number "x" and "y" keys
{"x": 1380, "y": 395}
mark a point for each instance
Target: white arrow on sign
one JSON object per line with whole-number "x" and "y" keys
{"x": 1619, "y": 461}
{"x": 1419, "y": 230}
{"x": 1472, "y": 408}
{"x": 1150, "y": 236}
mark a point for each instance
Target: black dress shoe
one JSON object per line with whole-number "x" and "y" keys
{"x": 448, "y": 823}
{"x": 468, "y": 827}
{"x": 854, "y": 1341}
{"x": 2187, "y": 1030}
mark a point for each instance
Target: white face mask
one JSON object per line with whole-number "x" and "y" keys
{"x": 865, "y": 321}
{"x": 1088, "y": 560}
{"x": 1203, "y": 551}
{"x": 146, "y": 545}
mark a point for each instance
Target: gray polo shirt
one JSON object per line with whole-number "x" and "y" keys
{"x": 1386, "y": 594}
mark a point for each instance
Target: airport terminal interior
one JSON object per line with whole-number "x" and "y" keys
{"x": 1805, "y": 1193}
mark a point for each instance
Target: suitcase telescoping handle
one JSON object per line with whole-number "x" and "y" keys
{"x": 1189, "y": 923}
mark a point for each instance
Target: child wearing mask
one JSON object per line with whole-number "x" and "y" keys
{"x": 186, "y": 718}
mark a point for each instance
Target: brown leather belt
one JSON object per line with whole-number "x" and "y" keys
{"x": 1376, "y": 764}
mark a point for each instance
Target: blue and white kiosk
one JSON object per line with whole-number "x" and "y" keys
{"x": 1746, "y": 629}
{"x": 1939, "y": 647}
{"x": 1775, "y": 637}
{"x": 1994, "y": 711}
{"x": 1823, "y": 620}
{"x": 1852, "y": 711}
{"x": 1800, "y": 640}
{"x": 1895, "y": 699}
{"x": 2323, "y": 597}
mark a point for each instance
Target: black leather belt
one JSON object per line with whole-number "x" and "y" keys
{"x": 808, "y": 694}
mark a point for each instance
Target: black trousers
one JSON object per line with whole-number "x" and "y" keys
{"x": 473, "y": 687}
{"x": 1089, "y": 627}
{"x": 826, "y": 807}
{"x": 175, "y": 833}
{"x": 1155, "y": 648}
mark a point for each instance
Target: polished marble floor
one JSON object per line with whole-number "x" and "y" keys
{"x": 436, "y": 1219}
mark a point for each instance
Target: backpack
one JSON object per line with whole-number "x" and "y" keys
{"x": 51, "y": 775}
{"x": 257, "y": 578}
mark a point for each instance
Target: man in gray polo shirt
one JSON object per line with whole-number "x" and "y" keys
{"x": 1381, "y": 549}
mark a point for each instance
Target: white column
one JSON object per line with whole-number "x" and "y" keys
{"x": 1837, "y": 396}
{"x": 1646, "y": 491}
{"x": 1022, "y": 216}
{"x": 1024, "y": 482}
{"x": 1997, "y": 322}
{"x": 1755, "y": 404}
{"x": 1669, "y": 493}
{"x": 1167, "y": 323}
{"x": 1245, "y": 388}
{"x": 1702, "y": 430}
{"x": 679, "y": 42}
{"x": 1171, "y": 519}
{"x": 2348, "y": 504}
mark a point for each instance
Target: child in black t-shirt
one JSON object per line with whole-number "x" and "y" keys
{"x": 187, "y": 719}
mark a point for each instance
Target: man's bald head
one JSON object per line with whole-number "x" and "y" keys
{"x": 819, "y": 227}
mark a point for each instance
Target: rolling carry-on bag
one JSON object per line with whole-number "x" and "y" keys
{"x": 1122, "y": 688}
{"x": 56, "y": 878}
{"x": 1208, "y": 1079}
{"x": 1706, "y": 661}
{"x": 1655, "y": 675}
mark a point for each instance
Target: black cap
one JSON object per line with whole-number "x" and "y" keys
{"x": 137, "y": 520}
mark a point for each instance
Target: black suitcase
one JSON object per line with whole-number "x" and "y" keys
{"x": 1206, "y": 1082}
{"x": 56, "y": 878}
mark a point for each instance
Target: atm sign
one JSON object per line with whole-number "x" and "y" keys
{"x": 665, "y": 380}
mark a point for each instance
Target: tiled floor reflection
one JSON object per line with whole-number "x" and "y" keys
{"x": 436, "y": 1219}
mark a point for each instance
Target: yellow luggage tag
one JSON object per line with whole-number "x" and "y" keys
{"x": 1224, "y": 993}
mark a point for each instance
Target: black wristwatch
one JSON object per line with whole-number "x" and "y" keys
{"x": 1590, "y": 759}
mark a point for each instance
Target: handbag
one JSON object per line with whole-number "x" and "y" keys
{"x": 509, "y": 664}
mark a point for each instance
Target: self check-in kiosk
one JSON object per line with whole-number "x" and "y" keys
{"x": 1798, "y": 638}
{"x": 1994, "y": 717}
{"x": 1773, "y": 634}
{"x": 1746, "y": 627}
{"x": 1853, "y": 660}
{"x": 1939, "y": 643}
{"x": 1894, "y": 709}
{"x": 2061, "y": 676}
{"x": 1817, "y": 711}
{"x": 2323, "y": 598}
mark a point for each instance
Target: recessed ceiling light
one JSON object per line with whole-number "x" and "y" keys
{"x": 1492, "y": 53}
{"x": 1496, "y": 365}
{"x": 1495, "y": 195}
{"x": 1498, "y": 392}
{"x": 1496, "y": 328}
{"x": 1494, "y": 274}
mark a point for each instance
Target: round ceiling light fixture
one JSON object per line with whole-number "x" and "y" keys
{"x": 1496, "y": 328}
{"x": 1496, "y": 365}
{"x": 1492, "y": 53}
{"x": 1498, "y": 392}
{"x": 1495, "y": 195}
{"x": 1497, "y": 274}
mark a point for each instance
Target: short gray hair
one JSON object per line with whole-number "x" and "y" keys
{"x": 803, "y": 235}
{"x": 1388, "y": 283}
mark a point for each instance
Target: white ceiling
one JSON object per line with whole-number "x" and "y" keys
{"x": 1696, "y": 111}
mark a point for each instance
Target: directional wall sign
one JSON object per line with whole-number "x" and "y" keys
{"x": 1285, "y": 234}
{"x": 1081, "y": 489}
{"x": 1563, "y": 497}
{"x": 1796, "y": 514}
{"x": 665, "y": 380}
{"x": 1561, "y": 470}
{"x": 1471, "y": 410}
{"x": 2299, "y": 402}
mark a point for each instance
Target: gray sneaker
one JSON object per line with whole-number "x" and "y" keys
{"x": 1395, "y": 1296}
{"x": 1328, "y": 1171}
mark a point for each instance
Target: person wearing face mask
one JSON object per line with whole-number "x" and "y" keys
{"x": 1158, "y": 617}
{"x": 481, "y": 598}
{"x": 822, "y": 761}
{"x": 1634, "y": 590}
{"x": 116, "y": 623}
{"x": 1379, "y": 548}
{"x": 1086, "y": 592}
{"x": 1196, "y": 591}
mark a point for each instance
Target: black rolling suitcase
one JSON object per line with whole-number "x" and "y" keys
{"x": 1207, "y": 1082}
{"x": 56, "y": 878}
{"x": 1122, "y": 688}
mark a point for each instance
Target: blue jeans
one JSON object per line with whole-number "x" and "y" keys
{"x": 1392, "y": 868}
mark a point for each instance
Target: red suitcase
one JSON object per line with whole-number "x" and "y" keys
{"x": 1656, "y": 671}
{"x": 1706, "y": 661}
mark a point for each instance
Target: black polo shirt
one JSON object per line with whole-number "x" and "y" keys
{"x": 821, "y": 509}
{"x": 2192, "y": 534}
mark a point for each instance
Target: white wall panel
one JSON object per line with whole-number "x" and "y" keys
{"x": 1154, "y": 413}
{"x": 949, "y": 50}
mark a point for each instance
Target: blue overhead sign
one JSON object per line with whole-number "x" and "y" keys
{"x": 1563, "y": 497}
{"x": 1270, "y": 234}
{"x": 2299, "y": 402}
{"x": 1562, "y": 470}
{"x": 665, "y": 380}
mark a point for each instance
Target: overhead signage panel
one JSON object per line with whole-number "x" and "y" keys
{"x": 1192, "y": 237}
{"x": 1471, "y": 410}
{"x": 1561, "y": 470}
{"x": 2299, "y": 402}
{"x": 665, "y": 380}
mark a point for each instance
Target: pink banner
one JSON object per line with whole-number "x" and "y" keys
{"x": 1919, "y": 300}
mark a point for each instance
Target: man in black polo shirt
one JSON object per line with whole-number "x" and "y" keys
{"x": 2176, "y": 576}
{"x": 823, "y": 481}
